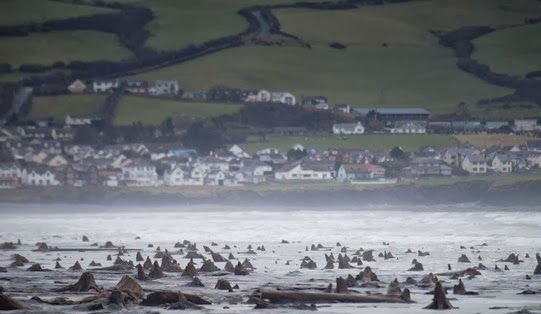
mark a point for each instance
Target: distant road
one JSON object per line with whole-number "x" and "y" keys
{"x": 264, "y": 28}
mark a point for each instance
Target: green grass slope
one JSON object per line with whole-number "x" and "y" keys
{"x": 378, "y": 142}
{"x": 360, "y": 75}
{"x": 391, "y": 60}
{"x": 14, "y": 12}
{"x": 47, "y": 48}
{"x": 181, "y": 23}
{"x": 514, "y": 50}
{"x": 58, "y": 107}
{"x": 150, "y": 111}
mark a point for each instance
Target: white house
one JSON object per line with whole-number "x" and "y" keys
{"x": 348, "y": 128}
{"x": 139, "y": 174}
{"x": 197, "y": 175}
{"x": 238, "y": 152}
{"x": 104, "y": 86}
{"x": 263, "y": 96}
{"x": 39, "y": 176}
{"x": 409, "y": 127}
{"x": 77, "y": 120}
{"x": 454, "y": 155}
{"x": 77, "y": 86}
{"x": 209, "y": 163}
{"x": 475, "y": 164}
{"x": 257, "y": 167}
{"x": 502, "y": 163}
{"x": 253, "y": 171}
{"x": 54, "y": 161}
{"x": 359, "y": 172}
{"x": 525, "y": 125}
{"x": 283, "y": 98}
{"x": 164, "y": 87}
{"x": 534, "y": 159}
{"x": 177, "y": 175}
{"x": 10, "y": 176}
{"x": 267, "y": 151}
{"x": 306, "y": 170}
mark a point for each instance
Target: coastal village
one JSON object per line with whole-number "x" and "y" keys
{"x": 44, "y": 155}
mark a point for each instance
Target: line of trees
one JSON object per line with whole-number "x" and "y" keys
{"x": 460, "y": 41}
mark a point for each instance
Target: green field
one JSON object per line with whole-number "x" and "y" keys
{"x": 506, "y": 111}
{"x": 378, "y": 142}
{"x": 392, "y": 60}
{"x": 515, "y": 51}
{"x": 150, "y": 111}
{"x": 181, "y": 23}
{"x": 14, "y": 12}
{"x": 362, "y": 76}
{"x": 58, "y": 107}
{"x": 424, "y": 15}
{"x": 47, "y": 48}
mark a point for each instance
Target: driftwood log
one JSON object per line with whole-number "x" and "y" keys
{"x": 277, "y": 297}
{"x": 9, "y": 304}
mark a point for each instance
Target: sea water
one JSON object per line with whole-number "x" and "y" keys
{"x": 441, "y": 231}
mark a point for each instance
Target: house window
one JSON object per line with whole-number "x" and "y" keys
{"x": 475, "y": 169}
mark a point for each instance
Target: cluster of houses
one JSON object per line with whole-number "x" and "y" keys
{"x": 396, "y": 120}
{"x": 41, "y": 159}
{"x": 141, "y": 87}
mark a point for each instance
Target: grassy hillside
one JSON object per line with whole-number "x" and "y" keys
{"x": 378, "y": 142}
{"x": 391, "y": 59}
{"x": 514, "y": 50}
{"x": 14, "y": 12}
{"x": 360, "y": 75}
{"x": 58, "y": 107}
{"x": 506, "y": 111}
{"x": 47, "y": 48}
{"x": 153, "y": 111}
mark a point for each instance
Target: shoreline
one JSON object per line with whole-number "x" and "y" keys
{"x": 480, "y": 192}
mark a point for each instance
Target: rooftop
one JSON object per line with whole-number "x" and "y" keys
{"x": 364, "y": 111}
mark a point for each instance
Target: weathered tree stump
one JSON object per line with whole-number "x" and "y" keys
{"x": 141, "y": 273}
{"x": 440, "y": 301}
{"x": 341, "y": 285}
{"x": 217, "y": 258}
{"x": 129, "y": 285}
{"x": 85, "y": 283}
{"x": 9, "y": 304}
{"x": 139, "y": 257}
{"x": 156, "y": 272}
{"x": 223, "y": 284}
{"x": 76, "y": 266}
{"x": 190, "y": 270}
{"x": 459, "y": 289}
{"x": 208, "y": 267}
{"x": 394, "y": 288}
{"x": 147, "y": 264}
{"x": 240, "y": 270}
{"x": 463, "y": 259}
